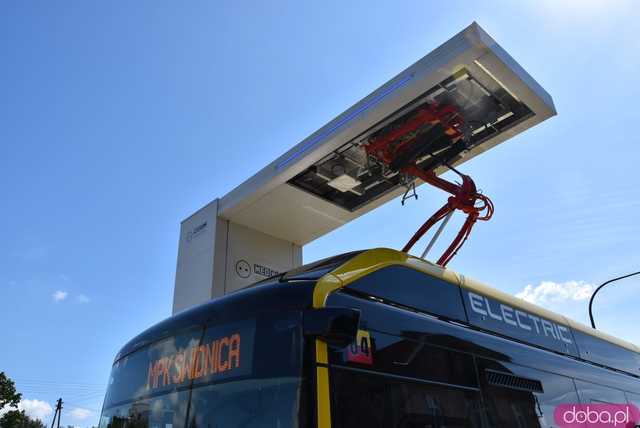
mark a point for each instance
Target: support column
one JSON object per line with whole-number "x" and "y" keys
{"x": 217, "y": 256}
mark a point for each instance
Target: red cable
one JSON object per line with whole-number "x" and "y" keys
{"x": 465, "y": 196}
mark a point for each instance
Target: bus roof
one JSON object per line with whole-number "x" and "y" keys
{"x": 585, "y": 343}
{"x": 310, "y": 285}
{"x": 268, "y": 296}
{"x": 374, "y": 259}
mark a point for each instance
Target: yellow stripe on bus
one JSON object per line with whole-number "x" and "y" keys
{"x": 323, "y": 288}
{"x": 324, "y": 404}
{"x": 321, "y": 352}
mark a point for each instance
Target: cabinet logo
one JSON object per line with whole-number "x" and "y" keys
{"x": 596, "y": 415}
{"x": 196, "y": 231}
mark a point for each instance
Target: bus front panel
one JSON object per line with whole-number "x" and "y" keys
{"x": 238, "y": 373}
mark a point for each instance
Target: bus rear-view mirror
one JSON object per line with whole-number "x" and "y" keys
{"x": 336, "y": 326}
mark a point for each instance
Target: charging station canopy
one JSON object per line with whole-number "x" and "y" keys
{"x": 325, "y": 181}
{"x": 329, "y": 179}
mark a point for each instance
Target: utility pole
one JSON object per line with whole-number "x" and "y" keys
{"x": 57, "y": 413}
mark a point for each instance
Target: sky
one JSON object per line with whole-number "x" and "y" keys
{"x": 120, "y": 119}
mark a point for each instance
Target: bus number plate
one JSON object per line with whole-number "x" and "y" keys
{"x": 360, "y": 351}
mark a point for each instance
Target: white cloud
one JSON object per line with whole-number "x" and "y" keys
{"x": 556, "y": 292}
{"x": 80, "y": 414}
{"x": 37, "y": 409}
{"x": 81, "y": 298}
{"x": 60, "y": 295}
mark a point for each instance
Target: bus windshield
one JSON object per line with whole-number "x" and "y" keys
{"x": 243, "y": 373}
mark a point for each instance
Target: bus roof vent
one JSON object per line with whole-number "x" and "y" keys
{"x": 515, "y": 382}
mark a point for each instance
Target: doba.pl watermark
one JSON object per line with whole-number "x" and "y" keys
{"x": 597, "y": 415}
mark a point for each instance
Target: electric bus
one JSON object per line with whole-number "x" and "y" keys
{"x": 371, "y": 339}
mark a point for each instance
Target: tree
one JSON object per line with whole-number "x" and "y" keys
{"x": 19, "y": 419}
{"x": 32, "y": 423}
{"x": 8, "y": 394}
{"x": 9, "y": 399}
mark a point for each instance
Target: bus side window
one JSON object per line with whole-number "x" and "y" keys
{"x": 592, "y": 393}
{"x": 414, "y": 289}
{"x": 162, "y": 411}
{"x": 516, "y": 396}
{"x": 412, "y": 359}
{"x": 375, "y": 400}
{"x": 428, "y": 405}
{"x": 358, "y": 399}
{"x": 633, "y": 399}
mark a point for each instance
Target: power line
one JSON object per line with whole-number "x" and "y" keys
{"x": 72, "y": 404}
{"x": 593, "y": 323}
{"x": 67, "y": 388}
{"x": 66, "y": 393}
{"x": 41, "y": 381}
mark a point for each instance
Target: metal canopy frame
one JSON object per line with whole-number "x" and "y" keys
{"x": 268, "y": 203}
